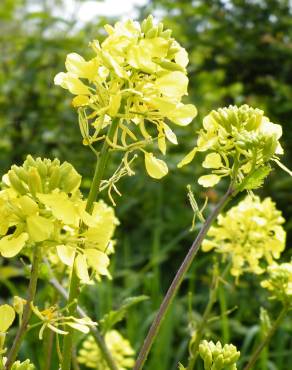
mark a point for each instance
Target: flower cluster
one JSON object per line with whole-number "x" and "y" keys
{"x": 119, "y": 347}
{"x": 136, "y": 76}
{"x": 42, "y": 207}
{"x": 279, "y": 282}
{"x": 216, "y": 357}
{"x": 241, "y": 141}
{"x": 250, "y": 233}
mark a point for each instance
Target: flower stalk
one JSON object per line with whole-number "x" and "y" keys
{"x": 266, "y": 340}
{"x": 102, "y": 161}
{"x": 27, "y": 309}
{"x": 154, "y": 329}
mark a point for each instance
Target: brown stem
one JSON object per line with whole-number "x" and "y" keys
{"x": 153, "y": 331}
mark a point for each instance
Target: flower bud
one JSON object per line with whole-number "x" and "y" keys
{"x": 34, "y": 181}
{"x": 16, "y": 182}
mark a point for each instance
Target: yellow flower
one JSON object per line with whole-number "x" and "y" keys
{"x": 138, "y": 76}
{"x": 7, "y": 316}
{"x": 42, "y": 202}
{"x": 242, "y": 142}
{"x": 119, "y": 347}
{"x": 250, "y": 234}
{"x": 279, "y": 282}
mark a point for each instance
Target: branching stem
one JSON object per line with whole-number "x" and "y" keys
{"x": 153, "y": 331}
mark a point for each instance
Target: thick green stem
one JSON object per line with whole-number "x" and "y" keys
{"x": 267, "y": 339}
{"x": 154, "y": 329}
{"x": 74, "y": 281}
{"x": 27, "y": 309}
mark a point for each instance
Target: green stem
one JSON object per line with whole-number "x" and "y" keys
{"x": 74, "y": 281}
{"x": 154, "y": 329}
{"x": 99, "y": 339}
{"x": 212, "y": 300}
{"x": 27, "y": 309}
{"x": 267, "y": 339}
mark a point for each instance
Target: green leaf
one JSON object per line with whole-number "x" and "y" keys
{"x": 113, "y": 317}
{"x": 255, "y": 179}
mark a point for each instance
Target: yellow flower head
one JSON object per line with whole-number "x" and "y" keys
{"x": 119, "y": 347}
{"x": 250, "y": 234}
{"x": 279, "y": 282}
{"x": 137, "y": 76}
{"x": 217, "y": 357}
{"x": 47, "y": 208}
{"x": 240, "y": 142}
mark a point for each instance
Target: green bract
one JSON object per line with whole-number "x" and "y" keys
{"x": 250, "y": 234}
{"x": 241, "y": 142}
{"x": 216, "y": 357}
{"x": 138, "y": 76}
{"x": 41, "y": 201}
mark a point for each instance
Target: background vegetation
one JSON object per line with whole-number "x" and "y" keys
{"x": 240, "y": 52}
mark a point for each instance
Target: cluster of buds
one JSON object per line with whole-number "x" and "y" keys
{"x": 216, "y": 357}
{"x": 138, "y": 77}
{"x": 241, "y": 142}
{"x": 251, "y": 234}
{"x": 49, "y": 213}
{"x": 119, "y": 347}
{"x": 279, "y": 282}
{"x": 42, "y": 176}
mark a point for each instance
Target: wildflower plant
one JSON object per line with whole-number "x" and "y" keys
{"x": 129, "y": 97}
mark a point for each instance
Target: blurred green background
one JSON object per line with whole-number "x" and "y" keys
{"x": 240, "y": 52}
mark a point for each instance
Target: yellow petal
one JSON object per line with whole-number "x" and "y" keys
{"x": 66, "y": 254}
{"x": 98, "y": 260}
{"x": 171, "y": 136}
{"x": 39, "y": 228}
{"x": 80, "y": 100}
{"x": 188, "y": 158}
{"x": 173, "y": 84}
{"x": 212, "y": 160}
{"x": 28, "y": 206}
{"x": 82, "y": 269}
{"x": 161, "y": 143}
{"x": 76, "y": 64}
{"x": 183, "y": 114}
{"x": 10, "y": 246}
{"x": 7, "y": 316}
{"x": 155, "y": 167}
{"x": 181, "y": 57}
{"x": 71, "y": 82}
{"x": 208, "y": 180}
{"x": 62, "y": 208}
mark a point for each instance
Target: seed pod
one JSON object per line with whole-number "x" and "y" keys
{"x": 16, "y": 183}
